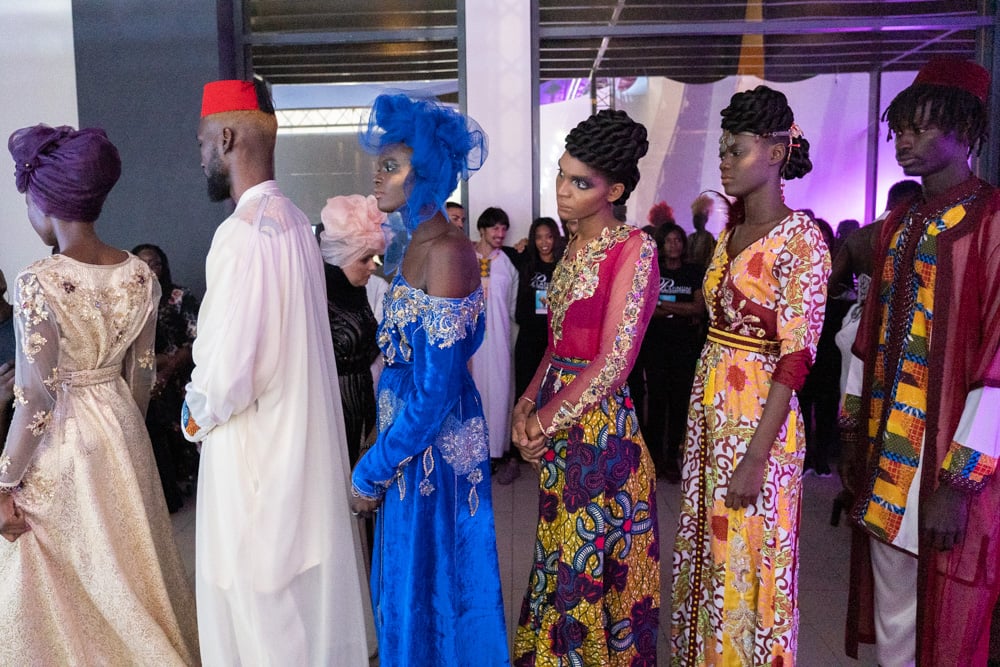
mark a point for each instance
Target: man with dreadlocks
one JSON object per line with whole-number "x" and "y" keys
{"x": 923, "y": 392}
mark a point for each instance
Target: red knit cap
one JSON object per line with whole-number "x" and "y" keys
{"x": 954, "y": 73}
{"x": 229, "y": 95}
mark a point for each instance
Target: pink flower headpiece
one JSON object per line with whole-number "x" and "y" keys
{"x": 352, "y": 228}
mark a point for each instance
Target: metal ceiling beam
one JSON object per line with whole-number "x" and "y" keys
{"x": 768, "y": 27}
{"x": 615, "y": 15}
{"x": 351, "y": 36}
{"x": 603, "y": 30}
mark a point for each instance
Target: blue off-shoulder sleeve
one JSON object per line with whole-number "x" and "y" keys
{"x": 437, "y": 336}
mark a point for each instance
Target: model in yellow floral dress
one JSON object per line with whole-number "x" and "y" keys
{"x": 735, "y": 570}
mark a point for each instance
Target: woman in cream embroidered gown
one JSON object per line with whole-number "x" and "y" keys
{"x": 90, "y": 574}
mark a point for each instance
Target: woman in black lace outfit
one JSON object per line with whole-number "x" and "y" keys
{"x": 350, "y": 240}
{"x": 176, "y": 328}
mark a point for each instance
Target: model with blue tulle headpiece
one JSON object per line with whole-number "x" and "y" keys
{"x": 435, "y": 575}
{"x": 444, "y": 145}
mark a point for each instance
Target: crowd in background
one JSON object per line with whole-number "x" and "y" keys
{"x": 343, "y": 397}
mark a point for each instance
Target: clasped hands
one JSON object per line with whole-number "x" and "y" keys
{"x": 526, "y": 432}
{"x": 364, "y": 507}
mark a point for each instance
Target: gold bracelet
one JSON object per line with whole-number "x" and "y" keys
{"x": 540, "y": 427}
{"x": 525, "y": 398}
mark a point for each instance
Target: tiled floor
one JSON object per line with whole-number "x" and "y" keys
{"x": 822, "y": 577}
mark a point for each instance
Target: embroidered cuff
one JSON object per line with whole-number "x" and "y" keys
{"x": 966, "y": 468}
{"x": 358, "y": 493}
{"x": 563, "y": 419}
{"x": 188, "y": 425}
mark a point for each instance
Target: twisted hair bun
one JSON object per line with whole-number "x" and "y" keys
{"x": 762, "y": 111}
{"x": 612, "y": 143}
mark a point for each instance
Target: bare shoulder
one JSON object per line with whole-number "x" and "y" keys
{"x": 451, "y": 267}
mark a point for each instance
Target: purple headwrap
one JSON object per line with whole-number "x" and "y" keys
{"x": 68, "y": 173}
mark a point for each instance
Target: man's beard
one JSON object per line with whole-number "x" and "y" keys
{"x": 218, "y": 182}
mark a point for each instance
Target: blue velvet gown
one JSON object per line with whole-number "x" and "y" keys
{"x": 435, "y": 575}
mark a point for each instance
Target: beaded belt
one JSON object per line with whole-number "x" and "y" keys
{"x": 571, "y": 364}
{"x": 739, "y": 342}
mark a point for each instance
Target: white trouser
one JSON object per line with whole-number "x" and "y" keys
{"x": 895, "y": 605}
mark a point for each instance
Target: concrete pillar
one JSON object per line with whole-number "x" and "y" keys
{"x": 498, "y": 96}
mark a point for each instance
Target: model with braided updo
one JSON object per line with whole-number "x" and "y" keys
{"x": 594, "y": 590}
{"x": 735, "y": 561}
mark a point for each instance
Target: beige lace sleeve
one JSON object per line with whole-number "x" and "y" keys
{"x": 37, "y": 336}
{"x": 139, "y": 366}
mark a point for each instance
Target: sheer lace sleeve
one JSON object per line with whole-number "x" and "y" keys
{"x": 630, "y": 305}
{"x": 139, "y": 366}
{"x": 37, "y": 337}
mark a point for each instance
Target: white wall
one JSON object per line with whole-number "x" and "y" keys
{"x": 38, "y": 78}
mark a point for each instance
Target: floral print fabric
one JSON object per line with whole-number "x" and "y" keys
{"x": 98, "y": 579}
{"x": 736, "y": 571}
{"x": 594, "y": 588}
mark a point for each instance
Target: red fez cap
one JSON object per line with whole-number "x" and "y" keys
{"x": 954, "y": 73}
{"x": 229, "y": 95}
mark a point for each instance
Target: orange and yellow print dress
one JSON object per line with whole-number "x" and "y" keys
{"x": 735, "y": 571}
